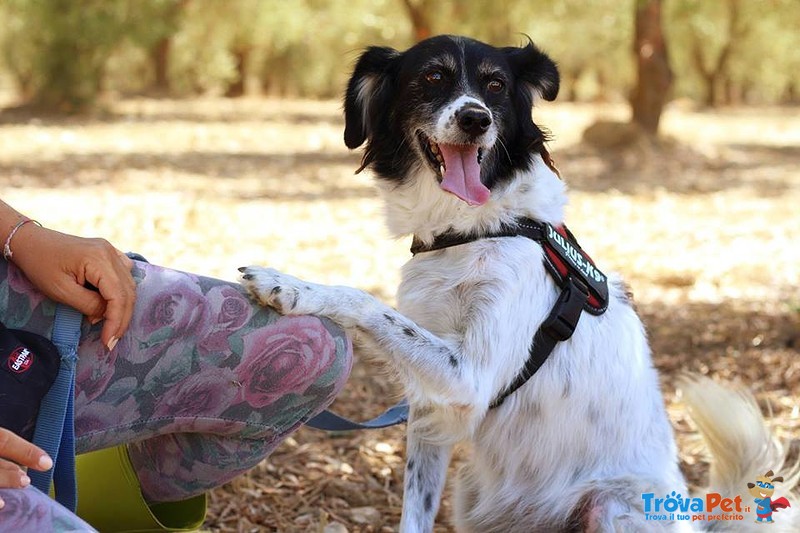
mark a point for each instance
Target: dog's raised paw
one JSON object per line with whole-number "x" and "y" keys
{"x": 271, "y": 288}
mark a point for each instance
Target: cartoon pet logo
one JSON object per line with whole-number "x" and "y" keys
{"x": 762, "y": 491}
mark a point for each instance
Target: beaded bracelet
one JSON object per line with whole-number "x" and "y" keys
{"x": 7, "y": 253}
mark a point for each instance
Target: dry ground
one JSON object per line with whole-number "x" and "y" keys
{"x": 705, "y": 228}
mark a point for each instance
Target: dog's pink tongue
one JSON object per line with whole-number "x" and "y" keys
{"x": 462, "y": 175}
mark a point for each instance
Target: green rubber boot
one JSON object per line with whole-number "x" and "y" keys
{"x": 110, "y": 499}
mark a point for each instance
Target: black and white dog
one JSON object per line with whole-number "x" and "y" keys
{"x": 449, "y": 135}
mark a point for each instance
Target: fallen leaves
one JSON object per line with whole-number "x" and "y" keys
{"x": 704, "y": 230}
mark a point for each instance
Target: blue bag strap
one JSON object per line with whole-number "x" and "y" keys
{"x": 55, "y": 425}
{"x": 328, "y": 421}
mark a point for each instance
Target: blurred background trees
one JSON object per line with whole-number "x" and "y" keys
{"x": 67, "y": 54}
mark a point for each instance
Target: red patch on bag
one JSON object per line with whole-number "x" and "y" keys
{"x": 20, "y": 360}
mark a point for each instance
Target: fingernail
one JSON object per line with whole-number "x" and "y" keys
{"x": 45, "y": 463}
{"x": 2, "y": 504}
{"x": 111, "y": 343}
{"x": 95, "y": 320}
{"x": 24, "y": 480}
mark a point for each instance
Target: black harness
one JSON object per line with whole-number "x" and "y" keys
{"x": 583, "y": 286}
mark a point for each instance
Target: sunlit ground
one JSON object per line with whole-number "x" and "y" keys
{"x": 705, "y": 231}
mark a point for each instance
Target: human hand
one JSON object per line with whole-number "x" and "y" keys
{"x": 60, "y": 265}
{"x": 16, "y": 452}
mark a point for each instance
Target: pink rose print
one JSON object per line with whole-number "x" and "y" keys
{"x": 28, "y": 510}
{"x": 284, "y": 358}
{"x": 96, "y": 365}
{"x": 229, "y": 310}
{"x": 98, "y": 416}
{"x": 205, "y": 394}
{"x": 157, "y": 462}
{"x": 18, "y": 282}
{"x": 168, "y": 311}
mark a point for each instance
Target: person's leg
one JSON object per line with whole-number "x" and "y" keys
{"x": 203, "y": 385}
{"x": 31, "y": 510}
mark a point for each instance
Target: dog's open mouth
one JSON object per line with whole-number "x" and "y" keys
{"x": 458, "y": 167}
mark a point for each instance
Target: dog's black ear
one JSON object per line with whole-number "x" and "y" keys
{"x": 779, "y": 478}
{"x": 535, "y": 69}
{"x": 367, "y": 92}
{"x": 534, "y": 74}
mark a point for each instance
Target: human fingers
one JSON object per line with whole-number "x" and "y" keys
{"x": 127, "y": 262}
{"x": 87, "y": 301}
{"x": 117, "y": 289}
{"x": 12, "y": 476}
{"x": 64, "y": 279}
{"x": 15, "y": 448}
{"x": 80, "y": 260}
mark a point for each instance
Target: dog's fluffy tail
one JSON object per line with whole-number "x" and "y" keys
{"x": 742, "y": 448}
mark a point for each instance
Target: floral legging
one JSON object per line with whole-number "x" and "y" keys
{"x": 202, "y": 387}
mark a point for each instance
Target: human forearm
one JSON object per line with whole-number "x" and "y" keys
{"x": 61, "y": 266}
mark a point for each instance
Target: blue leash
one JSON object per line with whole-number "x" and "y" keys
{"x": 328, "y": 421}
{"x": 55, "y": 425}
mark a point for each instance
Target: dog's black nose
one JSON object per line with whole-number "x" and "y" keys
{"x": 473, "y": 120}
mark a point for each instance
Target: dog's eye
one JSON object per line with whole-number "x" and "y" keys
{"x": 495, "y": 86}
{"x": 434, "y": 77}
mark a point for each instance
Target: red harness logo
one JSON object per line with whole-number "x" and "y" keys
{"x": 20, "y": 360}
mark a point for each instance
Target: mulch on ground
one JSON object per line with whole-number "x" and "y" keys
{"x": 703, "y": 226}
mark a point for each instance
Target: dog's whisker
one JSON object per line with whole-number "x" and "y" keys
{"x": 403, "y": 142}
{"x": 503, "y": 146}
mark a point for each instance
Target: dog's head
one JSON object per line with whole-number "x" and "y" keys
{"x": 456, "y": 106}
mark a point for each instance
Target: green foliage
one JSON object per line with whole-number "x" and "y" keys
{"x": 65, "y": 46}
{"x": 64, "y": 53}
{"x": 732, "y": 50}
{"x": 301, "y": 48}
{"x": 17, "y": 48}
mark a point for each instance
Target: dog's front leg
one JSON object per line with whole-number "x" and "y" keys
{"x": 426, "y": 470}
{"x": 438, "y": 365}
{"x": 292, "y": 296}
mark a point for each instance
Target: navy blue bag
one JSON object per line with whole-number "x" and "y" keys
{"x": 28, "y": 368}
{"x": 37, "y": 390}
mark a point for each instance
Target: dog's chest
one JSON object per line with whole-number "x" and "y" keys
{"x": 435, "y": 297}
{"x": 445, "y": 291}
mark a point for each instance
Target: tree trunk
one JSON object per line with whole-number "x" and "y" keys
{"x": 791, "y": 95}
{"x": 708, "y": 75}
{"x": 420, "y": 19}
{"x": 733, "y": 92}
{"x": 654, "y": 76}
{"x": 159, "y": 56}
{"x": 717, "y": 76}
{"x": 603, "y": 91}
{"x": 160, "y": 51}
{"x": 570, "y": 79}
{"x": 237, "y": 86}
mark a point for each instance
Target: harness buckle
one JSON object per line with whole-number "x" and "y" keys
{"x": 563, "y": 319}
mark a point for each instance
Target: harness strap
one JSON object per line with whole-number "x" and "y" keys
{"x": 583, "y": 286}
{"x": 55, "y": 425}
{"x": 563, "y": 256}
{"x": 558, "y": 327}
{"x": 524, "y": 227}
